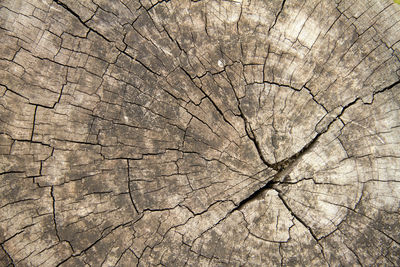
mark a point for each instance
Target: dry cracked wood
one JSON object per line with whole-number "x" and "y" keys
{"x": 199, "y": 133}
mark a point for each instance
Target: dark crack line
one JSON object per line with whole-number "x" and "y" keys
{"x": 305, "y": 225}
{"x": 33, "y": 122}
{"x": 129, "y": 188}
{"x": 354, "y": 253}
{"x": 12, "y": 91}
{"x": 11, "y": 172}
{"x": 313, "y": 98}
{"x": 210, "y": 99}
{"x": 97, "y": 241}
{"x": 58, "y": 2}
{"x": 54, "y": 212}
{"x": 383, "y": 90}
{"x": 141, "y": 63}
{"x": 154, "y": 5}
{"x": 354, "y": 210}
{"x": 252, "y": 137}
{"x": 18, "y": 201}
{"x": 277, "y": 15}
{"x": 249, "y": 131}
{"x": 257, "y": 194}
{"x": 277, "y": 84}
{"x": 283, "y": 166}
{"x": 8, "y": 256}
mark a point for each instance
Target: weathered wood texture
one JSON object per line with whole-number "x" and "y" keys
{"x": 199, "y": 133}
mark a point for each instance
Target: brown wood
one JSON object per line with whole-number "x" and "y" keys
{"x": 199, "y": 133}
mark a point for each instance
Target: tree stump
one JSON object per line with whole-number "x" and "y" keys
{"x": 199, "y": 133}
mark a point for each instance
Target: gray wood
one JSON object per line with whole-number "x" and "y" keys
{"x": 200, "y": 133}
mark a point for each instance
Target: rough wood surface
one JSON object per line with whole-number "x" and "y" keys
{"x": 199, "y": 133}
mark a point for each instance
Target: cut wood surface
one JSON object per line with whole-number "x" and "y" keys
{"x": 199, "y": 133}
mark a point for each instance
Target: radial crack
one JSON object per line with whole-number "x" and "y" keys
{"x": 129, "y": 188}
{"x": 277, "y": 15}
